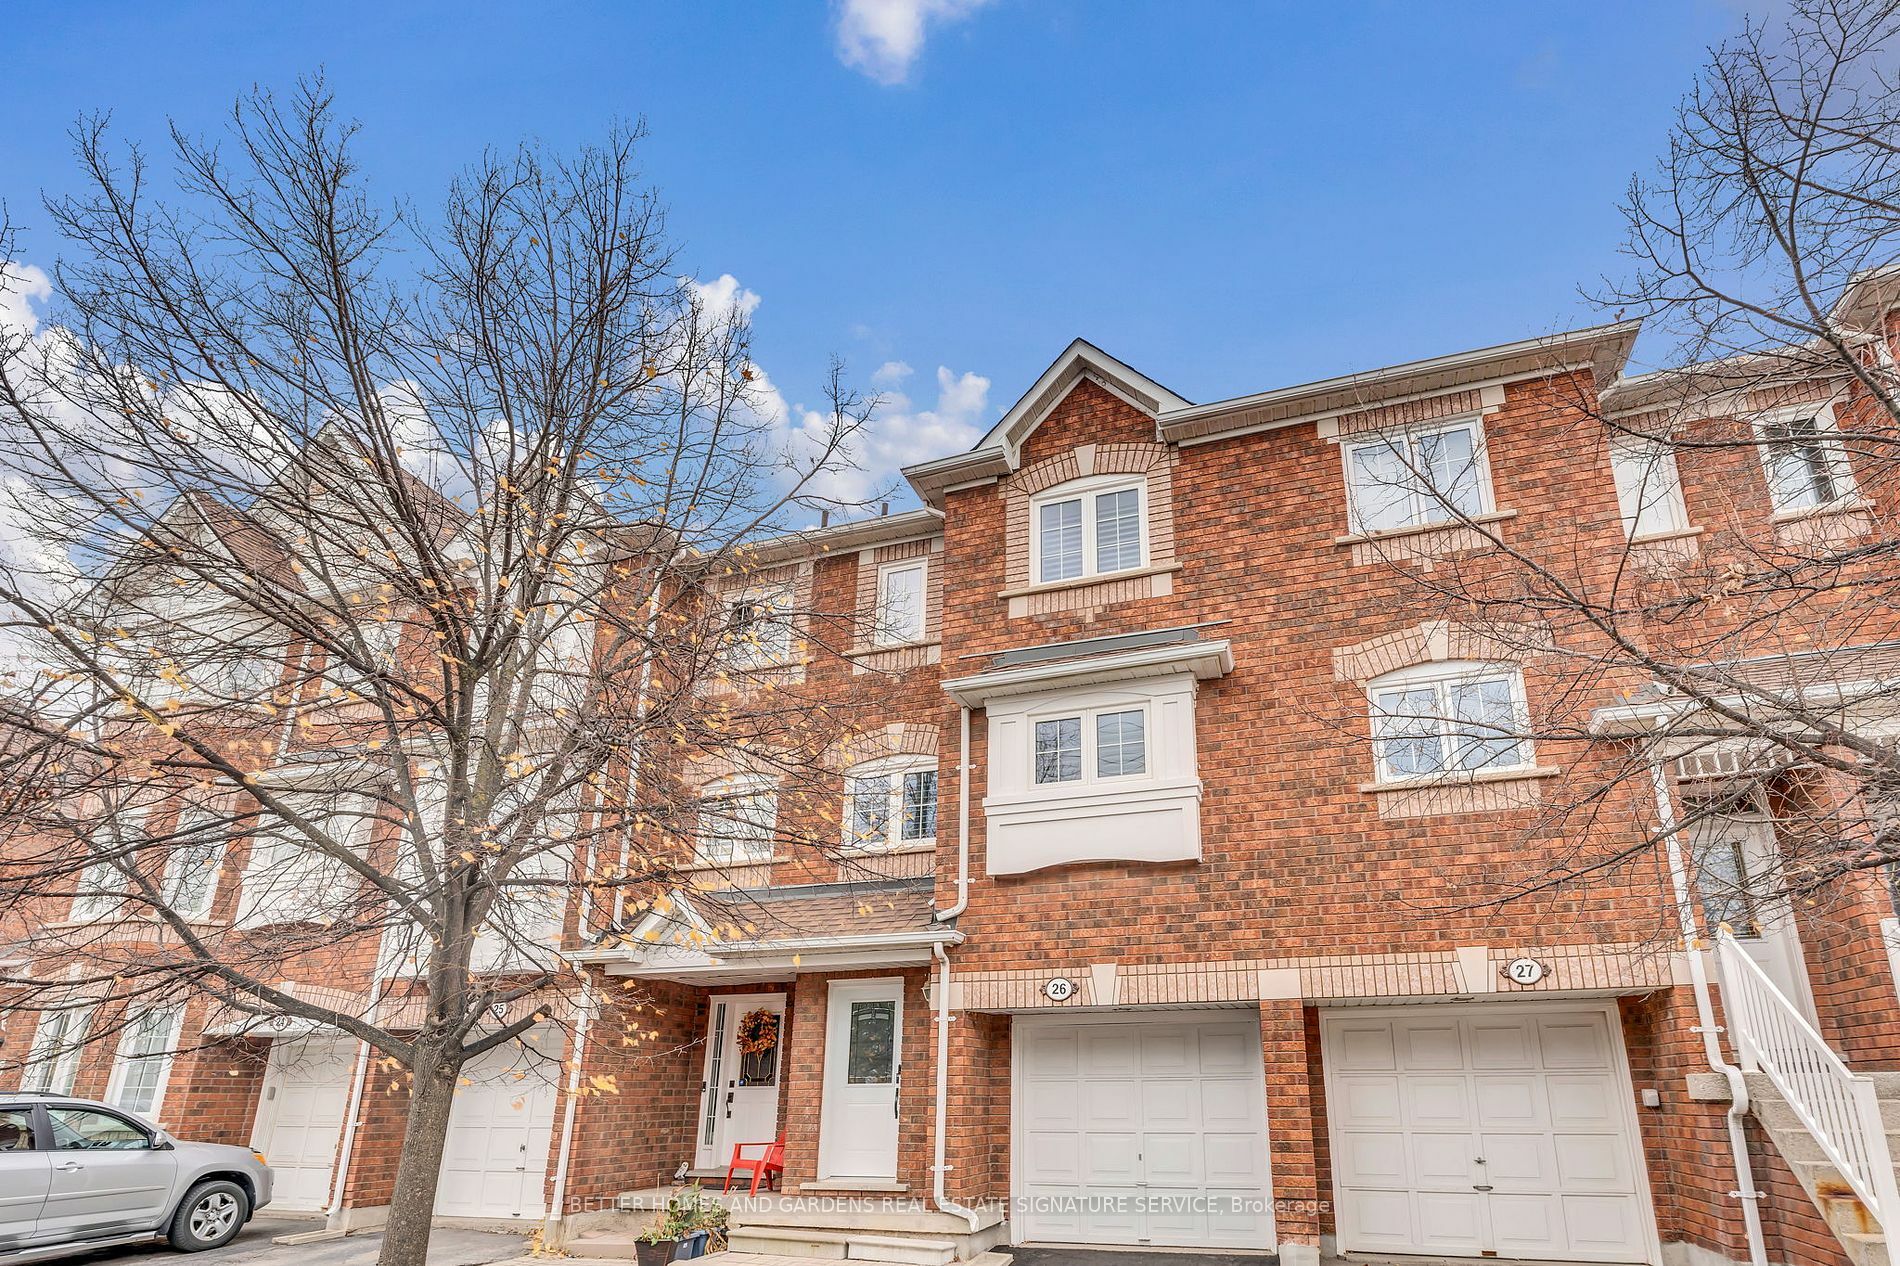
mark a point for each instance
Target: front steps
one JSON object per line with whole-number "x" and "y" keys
{"x": 1860, "y": 1235}
{"x": 900, "y": 1230}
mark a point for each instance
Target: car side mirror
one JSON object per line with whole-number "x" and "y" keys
{"x": 162, "y": 1142}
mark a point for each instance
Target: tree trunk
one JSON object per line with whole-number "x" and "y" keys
{"x": 412, "y": 1208}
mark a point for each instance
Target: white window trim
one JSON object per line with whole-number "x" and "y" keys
{"x": 1090, "y": 778}
{"x": 1086, "y": 490}
{"x": 1665, "y": 501}
{"x": 880, "y": 628}
{"x": 737, "y": 787}
{"x": 218, "y": 848}
{"x": 1391, "y": 437}
{"x": 779, "y": 600}
{"x": 54, "y": 1072}
{"x": 893, "y": 768}
{"x": 1439, "y": 675}
{"x": 1827, "y": 434}
{"x": 122, "y": 1062}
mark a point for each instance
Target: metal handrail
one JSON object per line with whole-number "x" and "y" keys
{"x": 1838, "y": 1106}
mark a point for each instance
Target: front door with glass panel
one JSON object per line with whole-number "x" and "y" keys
{"x": 863, "y": 1034}
{"x": 1737, "y": 868}
{"x": 744, "y": 1042}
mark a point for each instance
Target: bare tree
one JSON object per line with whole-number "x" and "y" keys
{"x": 1742, "y": 639}
{"x": 395, "y": 569}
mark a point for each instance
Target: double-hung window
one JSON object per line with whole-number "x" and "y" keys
{"x": 1100, "y": 743}
{"x": 900, "y": 603}
{"x": 1417, "y": 478}
{"x": 891, "y": 803}
{"x": 191, "y": 872}
{"x": 143, "y": 1060}
{"x": 1806, "y": 466}
{"x": 759, "y": 627}
{"x": 1648, "y": 491}
{"x": 738, "y": 821}
{"x": 1448, "y": 719}
{"x": 291, "y": 877}
{"x": 103, "y": 885}
{"x": 1090, "y": 528}
{"x": 53, "y": 1060}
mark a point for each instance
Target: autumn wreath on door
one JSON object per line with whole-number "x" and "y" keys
{"x": 758, "y": 1047}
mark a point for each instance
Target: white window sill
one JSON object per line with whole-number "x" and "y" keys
{"x": 1674, "y": 534}
{"x": 1458, "y": 779}
{"x": 1842, "y": 505}
{"x": 1420, "y": 529}
{"x": 1096, "y": 578}
{"x": 736, "y": 864}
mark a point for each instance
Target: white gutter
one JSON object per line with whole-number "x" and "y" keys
{"x": 1745, "y": 1189}
{"x": 550, "y": 1226}
{"x": 333, "y": 1216}
{"x": 939, "y": 1170}
{"x": 923, "y": 939}
{"x": 1625, "y": 719}
{"x": 963, "y": 829}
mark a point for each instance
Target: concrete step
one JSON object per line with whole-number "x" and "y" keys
{"x": 604, "y": 1244}
{"x": 1797, "y": 1144}
{"x": 1865, "y": 1250}
{"x": 842, "y": 1245}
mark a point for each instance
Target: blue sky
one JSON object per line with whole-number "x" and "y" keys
{"x": 1230, "y": 196}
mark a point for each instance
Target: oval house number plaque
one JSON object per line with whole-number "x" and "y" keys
{"x": 1059, "y": 989}
{"x": 1524, "y": 971}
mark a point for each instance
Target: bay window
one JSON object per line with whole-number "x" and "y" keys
{"x": 1111, "y": 743}
{"x": 1417, "y": 478}
{"x": 1088, "y": 528}
{"x": 1448, "y": 719}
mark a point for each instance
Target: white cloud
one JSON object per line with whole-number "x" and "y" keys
{"x": 901, "y": 433}
{"x": 21, "y": 287}
{"x": 883, "y": 38}
{"x": 724, "y": 297}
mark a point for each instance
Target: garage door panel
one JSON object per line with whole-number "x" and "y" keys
{"x": 1374, "y": 1160}
{"x": 1502, "y": 1044}
{"x": 1575, "y": 1044}
{"x": 1110, "y": 1054}
{"x": 1427, "y": 1045}
{"x": 1605, "y": 1227}
{"x": 1234, "y": 1160}
{"x": 1438, "y": 1103}
{"x": 1364, "y": 1047}
{"x": 1448, "y": 1222}
{"x": 1055, "y": 1158}
{"x": 1225, "y": 1053}
{"x": 1191, "y": 1097}
{"x": 1442, "y": 1160}
{"x": 500, "y": 1131}
{"x": 1531, "y": 1106}
{"x": 300, "y": 1126}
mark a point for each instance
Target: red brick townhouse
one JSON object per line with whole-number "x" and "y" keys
{"x": 1140, "y": 935}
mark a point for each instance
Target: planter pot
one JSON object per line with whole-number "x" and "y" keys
{"x": 656, "y": 1254}
{"x": 692, "y": 1246}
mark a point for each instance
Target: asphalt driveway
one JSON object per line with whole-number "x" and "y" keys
{"x": 450, "y": 1246}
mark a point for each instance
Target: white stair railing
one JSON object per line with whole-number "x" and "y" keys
{"x": 1839, "y": 1108}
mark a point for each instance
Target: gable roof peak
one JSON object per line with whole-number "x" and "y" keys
{"x": 1080, "y": 359}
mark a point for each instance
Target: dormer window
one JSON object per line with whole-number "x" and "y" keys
{"x": 1089, "y": 527}
{"x": 1417, "y": 478}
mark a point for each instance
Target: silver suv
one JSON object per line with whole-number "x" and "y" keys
{"x": 76, "y": 1174}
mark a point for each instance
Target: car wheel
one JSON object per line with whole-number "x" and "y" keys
{"x": 211, "y": 1215}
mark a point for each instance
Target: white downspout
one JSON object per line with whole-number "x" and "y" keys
{"x": 939, "y": 1170}
{"x": 1745, "y": 1190}
{"x": 551, "y": 1225}
{"x": 963, "y": 824}
{"x": 333, "y": 1216}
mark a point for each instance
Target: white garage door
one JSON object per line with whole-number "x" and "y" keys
{"x": 496, "y": 1161}
{"x": 1484, "y": 1132}
{"x": 300, "y": 1118}
{"x": 1141, "y": 1132}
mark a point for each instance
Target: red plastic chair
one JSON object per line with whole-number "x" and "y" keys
{"x": 767, "y": 1167}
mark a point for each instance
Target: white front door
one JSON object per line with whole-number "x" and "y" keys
{"x": 1737, "y": 874}
{"x": 300, "y": 1115}
{"x": 1132, "y": 1130}
{"x": 1503, "y": 1131}
{"x": 739, "y": 1099}
{"x": 863, "y": 1054}
{"x": 495, "y": 1164}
